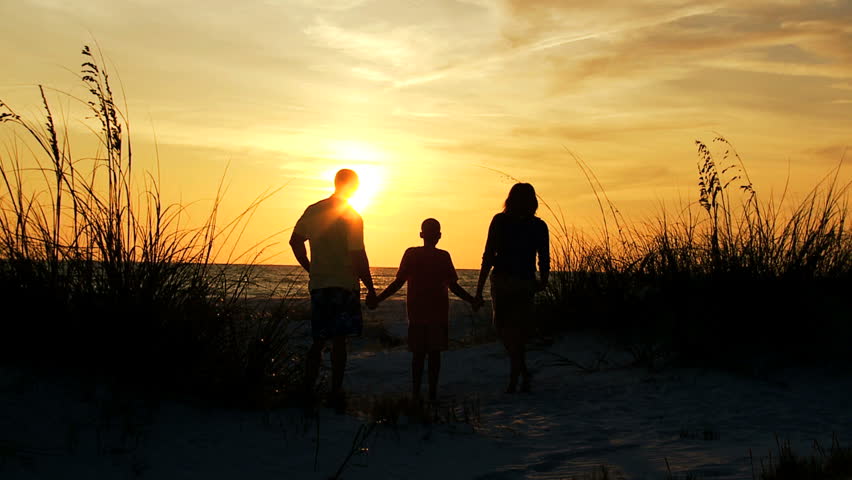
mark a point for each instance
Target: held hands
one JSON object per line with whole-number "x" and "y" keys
{"x": 372, "y": 300}
{"x": 477, "y": 302}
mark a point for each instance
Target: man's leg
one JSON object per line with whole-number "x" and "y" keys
{"x": 510, "y": 342}
{"x": 434, "y": 371}
{"x": 312, "y": 364}
{"x": 338, "y": 363}
{"x": 417, "y": 361}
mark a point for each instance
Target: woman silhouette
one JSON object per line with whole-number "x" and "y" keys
{"x": 515, "y": 237}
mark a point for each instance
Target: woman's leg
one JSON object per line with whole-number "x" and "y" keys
{"x": 434, "y": 371}
{"x": 511, "y": 344}
{"x": 417, "y": 361}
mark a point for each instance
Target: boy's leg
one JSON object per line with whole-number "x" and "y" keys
{"x": 417, "y": 361}
{"x": 312, "y": 363}
{"x": 434, "y": 372}
{"x": 522, "y": 361}
{"x": 338, "y": 363}
{"x": 522, "y": 358}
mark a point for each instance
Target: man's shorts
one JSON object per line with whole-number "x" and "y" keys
{"x": 335, "y": 312}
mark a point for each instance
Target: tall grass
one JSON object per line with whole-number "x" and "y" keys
{"x": 97, "y": 273}
{"x": 723, "y": 280}
{"x": 832, "y": 464}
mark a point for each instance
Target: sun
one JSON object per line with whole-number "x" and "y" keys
{"x": 365, "y": 160}
{"x": 370, "y": 177}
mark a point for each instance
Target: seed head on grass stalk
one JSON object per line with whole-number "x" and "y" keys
{"x": 125, "y": 289}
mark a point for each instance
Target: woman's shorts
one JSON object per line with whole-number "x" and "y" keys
{"x": 335, "y": 312}
{"x": 513, "y": 299}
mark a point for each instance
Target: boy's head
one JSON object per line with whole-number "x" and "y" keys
{"x": 430, "y": 231}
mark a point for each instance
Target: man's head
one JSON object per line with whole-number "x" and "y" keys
{"x": 430, "y": 231}
{"x": 345, "y": 183}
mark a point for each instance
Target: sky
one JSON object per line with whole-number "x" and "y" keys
{"x": 437, "y": 103}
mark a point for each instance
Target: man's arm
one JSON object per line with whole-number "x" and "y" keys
{"x": 362, "y": 269}
{"x": 355, "y": 241}
{"x": 297, "y": 243}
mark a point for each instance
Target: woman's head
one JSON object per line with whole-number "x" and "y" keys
{"x": 521, "y": 201}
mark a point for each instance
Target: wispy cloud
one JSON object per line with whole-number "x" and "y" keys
{"x": 452, "y": 84}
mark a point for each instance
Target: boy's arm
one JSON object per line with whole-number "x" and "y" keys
{"x": 460, "y": 292}
{"x": 390, "y": 290}
{"x": 401, "y": 277}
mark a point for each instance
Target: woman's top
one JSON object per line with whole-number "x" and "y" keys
{"x": 512, "y": 245}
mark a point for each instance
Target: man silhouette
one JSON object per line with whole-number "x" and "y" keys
{"x": 338, "y": 261}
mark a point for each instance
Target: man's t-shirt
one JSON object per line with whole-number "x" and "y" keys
{"x": 334, "y": 230}
{"x": 429, "y": 272}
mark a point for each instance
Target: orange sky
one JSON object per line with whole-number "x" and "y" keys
{"x": 425, "y": 98}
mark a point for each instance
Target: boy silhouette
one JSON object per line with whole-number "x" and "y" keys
{"x": 429, "y": 272}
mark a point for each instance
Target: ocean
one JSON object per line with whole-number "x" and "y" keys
{"x": 277, "y": 281}
{"x": 389, "y": 321}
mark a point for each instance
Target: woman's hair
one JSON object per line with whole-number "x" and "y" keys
{"x": 521, "y": 201}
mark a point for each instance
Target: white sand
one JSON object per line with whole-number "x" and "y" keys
{"x": 626, "y": 418}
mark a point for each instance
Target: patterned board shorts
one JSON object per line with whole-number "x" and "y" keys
{"x": 335, "y": 312}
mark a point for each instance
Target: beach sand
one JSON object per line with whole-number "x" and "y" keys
{"x": 628, "y": 419}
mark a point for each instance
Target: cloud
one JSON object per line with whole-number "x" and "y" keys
{"x": 831, "y": 152}
{"x": 667, "y": 39}
{"x": 603, "y": 129}
{"x": 376, "y": 46}
{"x": 333, "y": 5}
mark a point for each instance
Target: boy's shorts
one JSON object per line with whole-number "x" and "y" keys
{"x": 428, "y": 337}
{"x": 335, "y": 312}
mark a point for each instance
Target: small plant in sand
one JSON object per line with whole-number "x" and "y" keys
{"x": 389, "y": 410}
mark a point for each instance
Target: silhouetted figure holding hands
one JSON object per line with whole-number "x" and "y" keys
{"x": 515, "y": 237}
{"x": 429, "y": 272}
{"x": 338, "y": 261}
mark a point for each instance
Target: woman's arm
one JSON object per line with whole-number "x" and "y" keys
{"x": 544, "y": 257}
{"x": 487, "y": 257}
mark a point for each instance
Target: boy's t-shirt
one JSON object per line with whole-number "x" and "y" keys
{"x": 429, "y": 273}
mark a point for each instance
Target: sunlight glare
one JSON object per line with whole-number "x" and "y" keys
{"x": 364, "y": 160}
